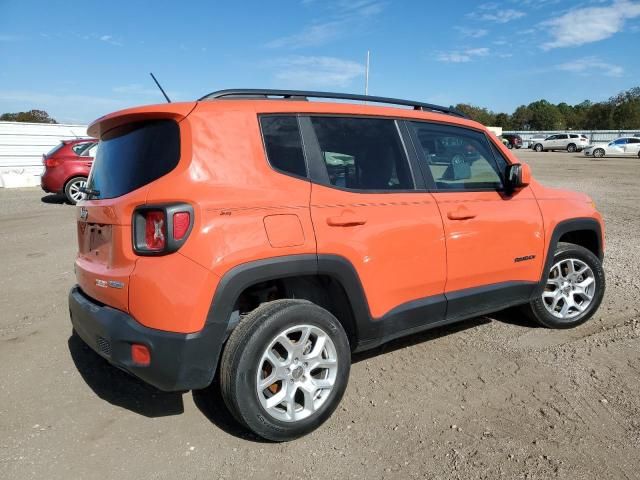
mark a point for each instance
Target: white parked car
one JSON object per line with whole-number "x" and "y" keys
{"x": 621, "y": 146}
{"x": 571, "y": 142}
{"x": 535, "y": 139}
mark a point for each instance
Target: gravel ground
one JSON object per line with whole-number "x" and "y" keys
{"x": 485, "y": 398}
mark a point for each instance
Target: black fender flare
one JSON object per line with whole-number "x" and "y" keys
{"x": 567, "y": 226}
{"x": 237, "y": 279}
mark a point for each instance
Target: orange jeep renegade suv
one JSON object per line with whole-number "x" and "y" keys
{"x": 266, "y": 237}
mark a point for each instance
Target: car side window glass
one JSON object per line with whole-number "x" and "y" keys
{"x": 634, "y": 140}
{"x": 283, "y": 143}
{"x": 459, "y": 158}
{"x": 620, "y": 141}
{"x": 362, "y": 153}
{"x": 78, "y": 148}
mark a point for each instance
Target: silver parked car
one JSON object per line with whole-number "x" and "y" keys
{"x": 571, "y": 142}
{"x": 624, "y": 146}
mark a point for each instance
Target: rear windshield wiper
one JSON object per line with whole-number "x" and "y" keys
{"x": 90, "y": 191}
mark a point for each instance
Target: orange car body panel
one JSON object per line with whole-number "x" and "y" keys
{"x": 399, "y": 250}
{"x": 406, "y": 249}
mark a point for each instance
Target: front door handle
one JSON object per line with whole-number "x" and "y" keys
{"x": 460, "y": 214}
{"x": 346, "y": 220}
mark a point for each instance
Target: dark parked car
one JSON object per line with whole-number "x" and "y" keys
{"x": 515, "y": 141}
{"x": 66, "y": 167}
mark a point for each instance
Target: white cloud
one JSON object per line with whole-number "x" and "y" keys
{"x": 110, "y": 40}
{"x": 462, "y": 56}
{"x": 592, "y": 66}
{"x": 502, "y": 16}
{"x": 587, "y": 25}
{"x": 345, "y": 17}
{"x": 307, "y": 71}
{"x": 472, "y": 32}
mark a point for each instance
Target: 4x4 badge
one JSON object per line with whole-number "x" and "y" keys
{"x": 84, "y": 214}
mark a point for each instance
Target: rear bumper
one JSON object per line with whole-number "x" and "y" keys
{"x": 179, "y": 361}
{"x": 50, "y": 182}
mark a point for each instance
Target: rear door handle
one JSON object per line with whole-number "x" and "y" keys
{"x": 346, "y": 220}
{"x": 460, "y": 214}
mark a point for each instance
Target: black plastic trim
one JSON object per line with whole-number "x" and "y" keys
{"x": 179, "y": 361}
{"x": 413, "y": 316}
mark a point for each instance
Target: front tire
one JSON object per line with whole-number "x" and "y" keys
{"x": 598, "y": 153}
{"x": 573, "y": 289}
{"x": 285, "y": 369}
{"x": 538, "y": 148}
{"x": 72, "y": 189}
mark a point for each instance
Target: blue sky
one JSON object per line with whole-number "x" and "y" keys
{"x": 79, "y": 60}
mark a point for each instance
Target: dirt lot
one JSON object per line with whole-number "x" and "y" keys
{"x": 487, "y": 398}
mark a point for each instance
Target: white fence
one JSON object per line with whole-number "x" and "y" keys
{"x": 22, "y": 146}
{"x": 594, "y": 136}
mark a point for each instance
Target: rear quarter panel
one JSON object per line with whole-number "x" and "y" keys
{"x": 228, "y": 180}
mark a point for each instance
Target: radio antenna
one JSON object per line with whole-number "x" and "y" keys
{"x": 160, "y": 87}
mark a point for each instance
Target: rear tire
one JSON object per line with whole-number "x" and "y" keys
{"x": 285, "y": 369}
{"x": 573, "y": 290}
{"x": 571, "y": 148}
{"x": 72, "y": 189}
{"x": 538, "y": 148}
{"x": 510, "y": 146}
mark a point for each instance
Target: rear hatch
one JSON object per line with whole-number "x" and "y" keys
{"x": 136, "y": 147}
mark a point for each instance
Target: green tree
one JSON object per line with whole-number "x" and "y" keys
{"x": 626, "y": 109}
{"x": 479, "y": 114}
{"x": 35, "y": 116}
{"x": 545, "y": 116}
{"x": 521, "y": 118}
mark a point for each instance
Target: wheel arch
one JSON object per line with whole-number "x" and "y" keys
{"x": 585, "y": 232}
{"x": 328, "y": 280}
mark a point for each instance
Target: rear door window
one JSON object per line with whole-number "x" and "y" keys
{"x": 133, "y": 155}
{"x": 363, "y": 153}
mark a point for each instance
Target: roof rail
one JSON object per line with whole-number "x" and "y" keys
{"x": 253, "y": 93}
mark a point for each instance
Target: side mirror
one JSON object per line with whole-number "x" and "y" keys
{"x": 517, "y": 175}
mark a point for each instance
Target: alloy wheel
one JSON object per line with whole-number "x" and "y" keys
{"x": 296, "y": 373}
{"x": 570, "y": 288}
{"x": 74, "y": 189}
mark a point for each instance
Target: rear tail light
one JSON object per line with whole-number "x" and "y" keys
{"x": 154, "y": 230}
{"x": 51, "y": 162}
{"x": 161, "y": 229}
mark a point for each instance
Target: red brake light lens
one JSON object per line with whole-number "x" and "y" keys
{"x": 51, "y": 162}
{"x": 155, "y": 228}
{"x": 181, "y": 222}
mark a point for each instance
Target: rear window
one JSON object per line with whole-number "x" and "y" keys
{"x": 134, "y": 155}
{"x": 54, "y": 149}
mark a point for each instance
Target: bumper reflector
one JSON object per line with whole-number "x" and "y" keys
{"x": 140, "y": 354}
